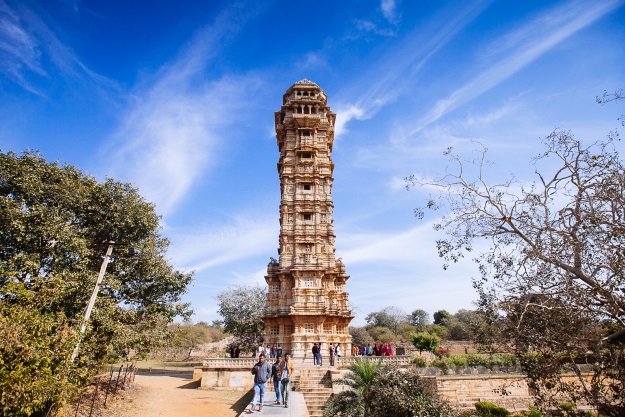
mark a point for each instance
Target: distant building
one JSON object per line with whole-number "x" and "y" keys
{"x": 306, "y": 301}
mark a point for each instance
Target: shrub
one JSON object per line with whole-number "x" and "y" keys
{"x": 444, "y": 364}
{"x": 570, "y": 410}
{"x": 386, "y": 391}
{"x": 419, "y": 362}
{"x": 532, "y": 412}
{"x": 459, "y": 360}
{"x": 477, "y": 360}
{"x": 488, "y": 409}
{"x": 504, "y": 359}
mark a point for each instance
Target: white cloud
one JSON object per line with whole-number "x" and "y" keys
{"x": 406, "y": 246}
{"x": 19, "y": 49}
{"x": 312, "y": 60}
{"x": 245, "y": 237}
{"x": 344, "y": 115}
{"x": 389, "y": 10}
{"x": 367, "y": 26}
{"x": 490, "y": 116}
{"x": 519, "y": 48}
{"x": 404, "y": 269}
{"x": 166, "y": 141}
{"x": 407, "y": 58}
{"x": 30, "y": 50}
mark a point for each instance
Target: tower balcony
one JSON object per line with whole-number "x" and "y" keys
{"x": 288, "y": 261}
{"x": 277, "y": 311}
{"x": 306, "y": 120}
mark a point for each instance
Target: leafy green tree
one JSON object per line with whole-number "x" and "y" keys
{"x": 51, "y": 220}
{"x": 389, "y": 317}
{"x": 425, "y": 342}
{"x": 419, "y": 318}
{"x": 439, "y": 330}
{"x": 463, "y": 324}
{"x": 242, "y": 308}
{"x": 553, "y": 277}
{"x": 36, "y": 374}
{"x": 360, "y": 336}
{"x": 385, "y": 391}
{"x": 188, "y": 336}
{"x": 440, "y": 316}
{"x": 404, "y": 330}
{"x": 382, "y": 334}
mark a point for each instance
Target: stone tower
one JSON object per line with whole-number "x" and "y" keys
{"x": 306, "y": 301}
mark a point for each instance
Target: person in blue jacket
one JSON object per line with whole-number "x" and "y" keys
{"x": 261, "y": 372}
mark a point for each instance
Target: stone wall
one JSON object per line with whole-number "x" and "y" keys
{"x": 227, "y": 379}
{"x": 509, "y": 391}
{"x": 466, "y": 387}
{"x": 226, "y": 373}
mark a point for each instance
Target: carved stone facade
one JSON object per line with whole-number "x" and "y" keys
{"x": 306, "y": 302}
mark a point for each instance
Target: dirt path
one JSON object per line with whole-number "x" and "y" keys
{"x": 177, "y": 396}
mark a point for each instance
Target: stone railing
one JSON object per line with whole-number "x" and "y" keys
{"x": 247, "y": 363}
{"x": 385, "y": 360}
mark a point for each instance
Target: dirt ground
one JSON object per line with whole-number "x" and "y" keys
{"x": 175, "y": 395}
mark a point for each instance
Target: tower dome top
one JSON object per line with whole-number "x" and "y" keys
{"x": 305, "y": 81}
{"x": 305, "y": 91}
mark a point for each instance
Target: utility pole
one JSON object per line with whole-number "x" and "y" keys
{"x": 94, "y": 295}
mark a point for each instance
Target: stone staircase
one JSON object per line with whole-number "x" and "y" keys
{"x": 315, "y": 383}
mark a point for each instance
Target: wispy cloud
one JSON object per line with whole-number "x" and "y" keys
{"x": 20, "y": 54}
{"x": 166, "y": 141}
{"x": 406, "y": 259}
{"x": 312, "y": 61}
{"x": 389, "y": 10}
{"x": 407, "y": 246}
{"x": 520, "y": 47}
{"x": 407, "y": 58}
{"x": 364, "y": 27}
{"x": 245, "y": 237}
{"x": 30, "y": 50}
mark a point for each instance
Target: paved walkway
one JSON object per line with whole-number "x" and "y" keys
{"x": 297, "y": 406}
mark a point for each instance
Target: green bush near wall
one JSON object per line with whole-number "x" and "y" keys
{"x": 488, "y": 409}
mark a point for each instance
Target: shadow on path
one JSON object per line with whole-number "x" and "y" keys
{"x": 190, "y": 385}
{"x": 240, "y": 406}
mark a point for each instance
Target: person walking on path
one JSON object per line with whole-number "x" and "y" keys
{"x": 319, "y": 357}
{"x": 315, "y": 352}
{"x": 331, "y": 352}
{"x": 261, "y": 372}
{"x": 275, "y": 377}
{"x": 286, "y": 372}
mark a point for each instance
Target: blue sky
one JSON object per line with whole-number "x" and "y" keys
{"x": 178, "y": 98}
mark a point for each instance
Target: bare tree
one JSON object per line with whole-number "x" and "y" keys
{"x": 390, "y": 317}
{"x": 242, "y": 308}
{"x": 552, "y": 280}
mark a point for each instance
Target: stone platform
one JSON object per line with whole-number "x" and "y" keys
{"x": 297, "y": 406}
